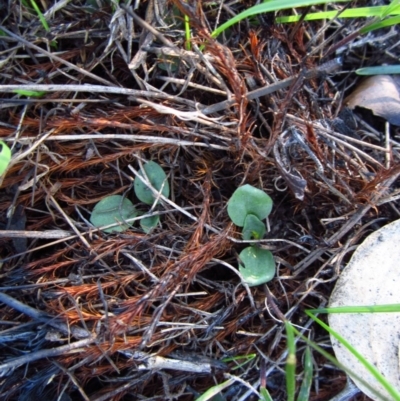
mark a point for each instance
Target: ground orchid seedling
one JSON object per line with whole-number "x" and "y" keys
{"x": 115, "y": 208}
{"x": 158, "y": 180}
{"x": 247, "y": 207}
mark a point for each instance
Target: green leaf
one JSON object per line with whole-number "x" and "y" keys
{"x": 248, "y": 200}
{"x": 113, "y": 209}
{"x": 259, "y": 265}
{"x": 304, "y": 393}
{"x": 5, "y": 157}
{"x": 253, "y": 228}
{"x": 158, "y": 181}
{"x": 148, "y": 223}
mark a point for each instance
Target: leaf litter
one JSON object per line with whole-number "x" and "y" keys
{"x": 105, "y": 313}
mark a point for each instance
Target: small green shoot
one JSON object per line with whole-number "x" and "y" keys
{"x": 259, "y": 265}
{"x": 113, "y": 209}
{"x": 157, "y": 180}
{"x": 5, "y": 157}
{"x": 253, "y": 228}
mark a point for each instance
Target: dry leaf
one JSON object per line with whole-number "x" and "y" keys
{"x": 380, "y": 94}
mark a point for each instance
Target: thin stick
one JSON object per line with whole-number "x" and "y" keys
{"x": 46, "y": 353}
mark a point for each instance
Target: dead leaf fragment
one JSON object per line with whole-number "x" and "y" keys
{"x": 380, "y": 94}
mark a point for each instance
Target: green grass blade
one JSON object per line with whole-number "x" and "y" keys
{"x": 357, "y": 309}
{"x": 211, "y": 392}
{"x": 361, "y": 12}
{"x": 187, "y": 33}
{"x": 5, "y": 157}
{"x": 246, "y": 358}
{"x": 389, "y": 8}
{"x": 290, "y": 363}
{"x": 266, "y": 396}
{"x": 273, "y": 5}
{"x": 40, "y": 15}
{"x": 28, "y": 93}
{"x": 379, "y": 70}
{"x": 371, "y": 368}
{"x": 335, "y": 362}
{"x": 380, "y": 24}
{"x": 304, "y": 392}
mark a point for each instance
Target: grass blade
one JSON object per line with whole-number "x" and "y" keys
{"x": 40, "y": 15}
{"x": 304, "y": 392}
{"x": 273, "y": 5}
{"x": 380, "y": 24}
{"x": 357, "y": 309}
{"x": 360, "y": 12}
{"x": 374, "y": 372}
{"x": 290, "y": 362}
{"x": 211, "y": 392}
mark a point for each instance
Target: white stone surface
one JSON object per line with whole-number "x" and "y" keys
{"x": 372, "y": 277}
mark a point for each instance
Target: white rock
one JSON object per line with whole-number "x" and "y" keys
{"x": 372, "y": 277}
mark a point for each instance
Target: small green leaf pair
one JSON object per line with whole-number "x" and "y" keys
{"x": 117, "y": 209}
{"x": 247, "y": 207}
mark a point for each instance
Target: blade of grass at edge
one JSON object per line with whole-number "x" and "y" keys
{"x": 374, "y": 372}
{"x": 360, "y": 12}
{"x": 215, "y": 390}
{"x": 357, "y": 309}
{"x": 334, "y": 361}
{"x": 41, "y": 16}
{"x": 273, "y": 5}
{"x": 380, "y": 24}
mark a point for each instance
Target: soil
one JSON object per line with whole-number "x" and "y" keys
{"x": 91, "y": 315}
